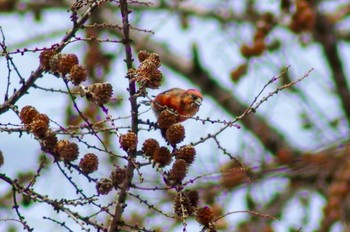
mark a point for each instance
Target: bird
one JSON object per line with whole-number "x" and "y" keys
{"x": 185, "y": 103}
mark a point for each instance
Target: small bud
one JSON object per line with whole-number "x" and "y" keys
{"x": 104, "y": 186}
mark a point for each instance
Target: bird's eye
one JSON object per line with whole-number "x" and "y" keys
{"x": 197, "y": 100}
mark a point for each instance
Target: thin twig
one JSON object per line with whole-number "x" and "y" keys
{"x": 249, "y": 212}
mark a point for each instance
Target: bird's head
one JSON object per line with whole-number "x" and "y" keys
{"x": 196, "y": 96}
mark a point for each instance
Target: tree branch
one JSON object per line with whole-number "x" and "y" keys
{"x": 119, "y": 209}
{"x": 39, "y": 71}
{"x": 324, "y": 33}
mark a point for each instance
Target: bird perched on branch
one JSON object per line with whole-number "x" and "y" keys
{"x": 185, "y": 103}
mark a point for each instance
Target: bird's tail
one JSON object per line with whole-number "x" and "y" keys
{"x": 146, "y": 102}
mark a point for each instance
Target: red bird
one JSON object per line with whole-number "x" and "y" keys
{"x": 184, "y": 102}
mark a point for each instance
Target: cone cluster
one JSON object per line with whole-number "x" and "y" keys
{"x": 99, "y": 93}
{"x": 63, "y": 64}
{"x": 148, "y": 74}
{"x": 38, "y": 124}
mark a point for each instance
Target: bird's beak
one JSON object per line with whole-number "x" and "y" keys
{"x": 198, "y": 101}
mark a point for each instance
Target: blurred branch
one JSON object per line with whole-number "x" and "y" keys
{"x": 120, "y": 206}
{"x": 324, "y": 33}
{"x": 223, "y": 16}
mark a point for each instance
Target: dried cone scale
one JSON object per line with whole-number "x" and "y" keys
{"x": 100, "y": 93}
{"x": 89, "y": 163}
{"x": 118, "y": 176}
{"x": 66, "y": 63}
{"x": 128, "y": 141}
{"x": 179, "y": 170}
{"x": 149, "y": 147}
{"x": 162, "y": 156}
{"x": 104, "y": 186}
{"x": 78, "y": 74}
{"x": 67, "y": 151}
{"x": 187, "y": 153}
{"x": 175, "y": 133}
{"x": 205, "y": 215}
{"x": 45, "y": 57}
{"x": 39, "y": 125}
{"x": 28, "y": 113}
{"x": 148, "y": 75}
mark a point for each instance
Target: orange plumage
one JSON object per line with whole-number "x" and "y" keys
{"x": 185, "y": 103}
